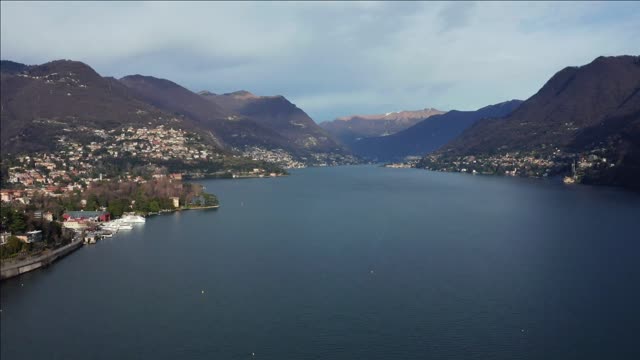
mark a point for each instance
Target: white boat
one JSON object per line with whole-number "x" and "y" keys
{"x": 134, "y": 219}
{"x": 111, "y": 226}
{"x": 125, "y": 226}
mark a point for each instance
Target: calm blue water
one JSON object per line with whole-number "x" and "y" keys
{"x": 349, "y": 263}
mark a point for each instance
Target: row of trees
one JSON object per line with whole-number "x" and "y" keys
{"x": 126, "y": 196}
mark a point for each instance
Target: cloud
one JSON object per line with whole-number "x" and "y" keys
{"x": 455, "y": 15}
{"x": 330, "y": 58}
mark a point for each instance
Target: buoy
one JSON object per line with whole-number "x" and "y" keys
{"x": 253, "y": 354}
{"x": 203, "y": 291}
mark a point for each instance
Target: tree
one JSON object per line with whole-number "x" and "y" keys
{"x": 18, "y": 224}
{"x": 117, "y": 207}
{"x": 13, "y": 246}
{"x": 154, "y": 206}
{"x": 92, "y": 202}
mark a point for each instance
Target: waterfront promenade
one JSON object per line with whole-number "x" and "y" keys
{"x": 11, "y": 268}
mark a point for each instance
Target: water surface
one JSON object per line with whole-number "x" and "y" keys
{"x": 349, "y": 263}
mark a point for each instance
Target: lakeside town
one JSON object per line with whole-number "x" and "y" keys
{"x": 574, "y": 167}
{"x": 97, "y": 182}
{"x": 52, "y": 202}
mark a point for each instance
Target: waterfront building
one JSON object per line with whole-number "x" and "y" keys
{"x": 75, "y": 224}
{"x": 86, "y": 215}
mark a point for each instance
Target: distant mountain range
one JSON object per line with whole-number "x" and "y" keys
{"x": 40, "y": 101}
{"x": 350, "y": 129}
{"x": 427, "y": 135}
{"x": 585, "y": 118}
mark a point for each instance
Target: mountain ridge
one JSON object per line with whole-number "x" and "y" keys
{"x": 429, "y": 134}
{"x": 349, "y": 129}
{"x": 587, "y": 115}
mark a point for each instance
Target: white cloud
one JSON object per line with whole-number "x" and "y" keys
{"x": 330, "y": 58}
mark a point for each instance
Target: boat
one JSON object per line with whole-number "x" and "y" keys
{"x": 125, "y": 226}
{"x": 111, "y": 227}
{"x": 133, "y": 219}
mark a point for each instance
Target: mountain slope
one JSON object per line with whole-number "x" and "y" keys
{"x": 589, "y": 115}
{"x": 428, "y": 135}
{"x": 572, "y": 101}
{"x": 39, "y": 102}
{"x": 280, "y": 115}
{"x": 229, "y": 129}
{"x": 349, "y": 129}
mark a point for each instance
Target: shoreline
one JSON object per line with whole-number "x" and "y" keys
{"x": 16, "y": 268}
{"x": 13, "y": 268}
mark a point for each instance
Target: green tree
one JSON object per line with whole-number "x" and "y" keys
{"x": 117, "y": 207}
{"x": 13, "y": 246}
{"x": 18, "y": 223}
{"x": 154, "y": 206}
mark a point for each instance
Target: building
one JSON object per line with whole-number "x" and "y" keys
{"x": 31, "y": 237}
{"x": 4, "y": 237}
{"x": 86, "y": 215}
{"x": 75, "y": 224}
{"x": 34, "y": 236}
{"x": 6, "y": 195}
{"x": 176, "y": 202}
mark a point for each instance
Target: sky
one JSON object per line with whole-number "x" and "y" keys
{"x": 330, "y": 58}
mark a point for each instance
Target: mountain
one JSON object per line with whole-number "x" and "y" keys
{"x": 228, "y": 128}
{"x": 12, "y": 67}
{"x": 589, "y": 113}
{"x": 349, "y": 129}
{"x": 279, "y": 115}
{"x": 429, "y": 134}
{"x": 571, "y": 102}
{"x": 41, "y": 102}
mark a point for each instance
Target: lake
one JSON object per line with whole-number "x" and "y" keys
{"x": 354, "y": 262}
